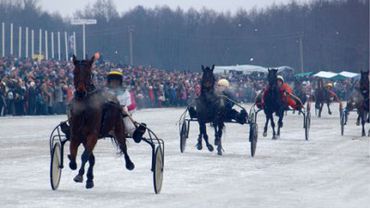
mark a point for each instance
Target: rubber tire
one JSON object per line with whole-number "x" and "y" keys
{"x": 183, "y": 137}
{"x": 158, "y": 169}
{"x": 253, "y": 137}
{"x": 307, "y": 125}
{"x": 55, "y": 166}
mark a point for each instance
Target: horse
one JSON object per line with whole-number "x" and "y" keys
{"x": 92, "y": 117}
{"x": 273, "y": 104}
{"x": 359, "y": 99}
{"x": 210, "y": 109}
{"x": 322, "y": 96}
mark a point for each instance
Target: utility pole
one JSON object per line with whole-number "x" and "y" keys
{"x": 40, "y": 42}
{"x": 301, "y": 52}
{"x": 20, "y": 42}
{"x": 66, "y": 44}
{"x": 46, "y": 46}
{"x": 3, "y": 38}
{"x": 52, "y": 45}
{"x": 11, "y": 39}
{"x": 130, "y": 31}
{"x": 32, "y": 43}
{"x": 84, "y": 22}
{"x": 59, "y": 46}
{"x": 26, "y": 42}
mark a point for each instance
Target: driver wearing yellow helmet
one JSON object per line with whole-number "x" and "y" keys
{"x": 116, "y": 92}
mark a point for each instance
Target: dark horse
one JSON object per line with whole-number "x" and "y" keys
{"x": 210, "y": 109}
{"x": 322, "y": 96}
{"x": 359, "y": 100}
{"x": 273, "y": 104}
{"x": 91, "y": 117}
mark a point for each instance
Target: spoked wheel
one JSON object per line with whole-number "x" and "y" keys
{"x": 55, "y": 166}
{"x": 253, "y": 136}
{"x": 158, "y": 169}
{"x": 183, "y": 136}
{"x": 307, "y": 125}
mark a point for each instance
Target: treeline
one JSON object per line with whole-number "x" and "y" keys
{"x": 334, "y": 34}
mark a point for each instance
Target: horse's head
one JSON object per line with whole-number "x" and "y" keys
{"x": 272, "y": 77}
{"x": 82, "y": 74}
{"x": 208, "y": 78}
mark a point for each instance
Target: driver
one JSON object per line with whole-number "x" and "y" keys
{"x": 223, "y": 87}
{"x": 116, "y": 92}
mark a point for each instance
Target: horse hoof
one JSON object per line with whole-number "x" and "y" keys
{"x": 130, "y": 165}
{"x": 89, "y": 184}
{"x": 264, "y": 134}
{"x": 73, "y": 165}
{"x": 199, "y": 146}
{"x": 210, "y": 147}
{"x": 78, "y": 179}
{"x": 274, "y": 138}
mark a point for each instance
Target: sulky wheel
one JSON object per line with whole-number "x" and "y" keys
{"x": 158, "y": 169}
{"x": 183, "y": 136}
{"x": 307, "y": 125}
{"x": 342, "y": 121}
{"x": 55, "y": 166}
{"x": 253, "y": 136}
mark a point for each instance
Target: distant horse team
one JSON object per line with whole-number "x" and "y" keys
{"x": 92, "y": 116}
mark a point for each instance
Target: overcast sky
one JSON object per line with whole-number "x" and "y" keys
{"x": 68, "y": 7}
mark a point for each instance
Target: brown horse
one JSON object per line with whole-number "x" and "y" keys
{"x": 92, "y": 117}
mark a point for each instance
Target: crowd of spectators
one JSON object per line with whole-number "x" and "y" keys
{"x": 29, "y": 87}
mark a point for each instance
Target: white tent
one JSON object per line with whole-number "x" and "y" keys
{"x": 325, "y": 74}
{"x": 248, "y": 69}
{"x": 349, "y": 74}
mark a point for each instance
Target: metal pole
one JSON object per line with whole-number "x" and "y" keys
{"x": 11, "y": 39}
{"x": 84, "y": 41}
{"x": 66, "y": 44}
{"x": 301, "y": 52}
{"x": 40, "y": 41}
{"x": 32, "y": 43}
{"x": 52, "y": 45}
{"x": 3, "y": 38}
{"x": 26, "y": 42}
{"x": 131, "y": 30}
{"x": 74, "y": 44}
{"x": 20, "y": 42}
{"x": 59, "y": 46}
{"x": 46, "y": 45}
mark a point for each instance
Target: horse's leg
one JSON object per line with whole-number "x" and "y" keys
{"x": 202, "y": 131}
{"x": 328, "y": 104}
{"x": 358, "y": 118}
{"x": 220, "y": 127}
{"x": 91, "y": 141}
{"x": 280, "y": 122}
{"x": 205, "y": 136}
{"x": 266, "y": 124}
{"x": 73, "y": 148}
{"x": 90, "y": 175}
{"x": 320, "y": 109}
{"x": 120, "y": 138}
{"x": 273, "y": 127}
{"x": 363, "y": 121}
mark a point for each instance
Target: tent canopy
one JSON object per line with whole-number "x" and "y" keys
{"x": 325, "y": 74}
{"x": 348, "y": 74}
{"x": 249, "y": 69}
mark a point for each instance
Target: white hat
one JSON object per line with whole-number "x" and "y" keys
{"x": 280, "y": 77}
{"x": 223, "y": 82}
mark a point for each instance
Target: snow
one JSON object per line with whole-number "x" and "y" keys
{"x": 329, "y": 170}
